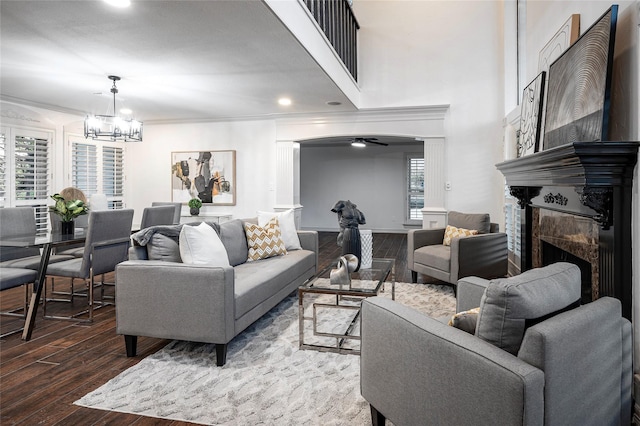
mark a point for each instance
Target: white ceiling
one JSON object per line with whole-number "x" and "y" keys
{"x": 179, "y": 60}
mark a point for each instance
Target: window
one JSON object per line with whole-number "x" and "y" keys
{"x": 98, "y": 168}
{"x": 512, "y": 224}
{"x": 3, "y": 168}
{"x": 415, "y": 187}
{"x": 25, "y": 171}
{"x": 84, "y": 171}
{"x": 113, "y": 175}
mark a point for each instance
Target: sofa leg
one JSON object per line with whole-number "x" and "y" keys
{"x": 414, "y": 277}
{"x": 131, "y": 342}
{"x": 377, "y": 419}
{"x": 221, "y": 354}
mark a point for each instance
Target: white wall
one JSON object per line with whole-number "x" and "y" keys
{"x": 148, "y": 164}
{"x": 443, "y": 52}
{"x": 373, "y": 178}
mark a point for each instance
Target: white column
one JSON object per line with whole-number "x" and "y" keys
{"x": 288, "y": 178}
{"x": 434, "y": 213}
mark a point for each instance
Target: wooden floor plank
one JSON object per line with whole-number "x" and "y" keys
{"x": 40, "y": 379}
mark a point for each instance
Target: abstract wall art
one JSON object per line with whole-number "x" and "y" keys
{"x": 207, "y": 175}
{"x": 579, "y": 87}
{"x": 561, "y": 40}
{"x": 566, "y": 35}
{"x": 531, "y": 116}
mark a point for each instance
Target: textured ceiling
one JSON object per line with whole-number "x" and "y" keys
{"x": 179, "y": 60}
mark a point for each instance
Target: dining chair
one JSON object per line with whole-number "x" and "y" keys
{"x": 159, "y": 215}
{"x": 81, "y": 222}
{"x": 98, "y": 202}
{"x": 106, "y": 245}
{"x": 176, "y": 206}
{"x": 12, "y": 278}
{"x": 21, "y": 221}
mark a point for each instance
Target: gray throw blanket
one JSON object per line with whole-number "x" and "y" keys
{"x": 143, "y": 236}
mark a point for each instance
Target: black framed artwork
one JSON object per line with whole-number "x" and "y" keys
{"x": 579, "y": 87}
{"x": 531, "y": 116}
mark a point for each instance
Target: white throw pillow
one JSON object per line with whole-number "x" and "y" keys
{"x": 201, "y": 245}
{"x": 287, "y": 227}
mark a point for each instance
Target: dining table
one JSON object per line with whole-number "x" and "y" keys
{"x": 46, "y": 243}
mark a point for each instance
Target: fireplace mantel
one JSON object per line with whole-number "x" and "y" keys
{"x": 594, "y": 169}
{"x": 575, "y": 164}
{"x": 591, "y": 180}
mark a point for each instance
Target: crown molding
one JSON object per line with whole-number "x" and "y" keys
{"x": 417, "y": 113}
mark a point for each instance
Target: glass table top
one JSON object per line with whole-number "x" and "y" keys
{"x": 365, "y": 280}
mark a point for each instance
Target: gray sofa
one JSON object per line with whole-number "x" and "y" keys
{"x": 533, "y": 358}
{"x": 158, "y": 296}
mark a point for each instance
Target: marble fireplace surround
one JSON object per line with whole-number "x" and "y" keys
{"x": 577, "y": 198}
{"x": 558, "y": 236}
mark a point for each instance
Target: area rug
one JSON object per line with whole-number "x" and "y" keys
{"x": 267, "y": 379}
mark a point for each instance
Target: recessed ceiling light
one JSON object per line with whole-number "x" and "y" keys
{"x": 334, "y": 103}
{"x": 358, "y": 144}
{"x": 284, "y": 101}
{"x": 118, "y": 3}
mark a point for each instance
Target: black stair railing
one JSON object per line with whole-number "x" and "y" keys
{"x": 339, "y": 24}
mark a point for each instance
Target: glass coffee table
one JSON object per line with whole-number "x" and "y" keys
{"x": 329, "y": 314}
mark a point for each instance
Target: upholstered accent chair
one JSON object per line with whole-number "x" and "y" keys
{"x": 176, "y": 206}
{"x": 535, "y": 357}
{"x": 158, "y": 215}
{"x": 483, "y": 254}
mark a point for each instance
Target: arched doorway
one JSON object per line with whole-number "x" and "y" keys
{"x": 420, "y": 124}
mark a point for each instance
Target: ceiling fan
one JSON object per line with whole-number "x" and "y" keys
{"x": 362, "y": 142}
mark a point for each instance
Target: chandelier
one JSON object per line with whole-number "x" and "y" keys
{"x": 111, "y": 127}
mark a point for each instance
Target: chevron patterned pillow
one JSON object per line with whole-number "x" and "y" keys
{"x": 264, "y": 241}
{"x": 452, "y": 232}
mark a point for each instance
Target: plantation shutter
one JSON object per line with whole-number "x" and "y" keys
{"x": 32, "y": 168}
{"x": 84, "y": 168}
{"x": 512, "y": 221}
{"x": 415, "y": 187}
{"x": 25, "y": 166}
{"x": 3, "y": 169}
{"x": 113, "y": 175}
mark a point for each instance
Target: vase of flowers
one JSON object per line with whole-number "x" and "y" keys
{"x": 68, "y": 210}
{"x": 194, "y": 206}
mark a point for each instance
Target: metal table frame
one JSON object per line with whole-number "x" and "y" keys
{"x": 341, "y": 293}
{"x": 46, "y": 243}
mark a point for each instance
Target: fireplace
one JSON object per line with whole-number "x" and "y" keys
{"x": 576, "y": 202}
{"x": 564, "y": 237}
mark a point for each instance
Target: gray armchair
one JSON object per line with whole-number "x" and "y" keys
{"x": 534, "y": 359}
{"x": 483, "y": 255}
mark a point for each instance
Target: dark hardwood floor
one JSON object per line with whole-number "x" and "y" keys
{"x": 40, "y": 379}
